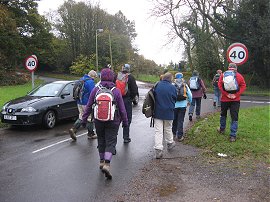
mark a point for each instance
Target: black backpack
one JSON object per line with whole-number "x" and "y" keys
{"x": 148, "y": 107}
{"x": 78, "y": 89}
{"x": 181, "y": 91}
{"x": 215, "y": 80}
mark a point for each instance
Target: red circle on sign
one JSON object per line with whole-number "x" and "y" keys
{"x": 29, "y": 65}
{"x": 234, "y": 48}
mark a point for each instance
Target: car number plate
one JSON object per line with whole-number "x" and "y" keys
{"x": 9, "y": 117}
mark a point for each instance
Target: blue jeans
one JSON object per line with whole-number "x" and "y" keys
{"x": 234, "y": 110}
{"x": 217, "y": 95}
{"x": 196, "y": 101}
{"x": 179, "y": 115}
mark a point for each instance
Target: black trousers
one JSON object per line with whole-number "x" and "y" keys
{"x": 107, "y": 136}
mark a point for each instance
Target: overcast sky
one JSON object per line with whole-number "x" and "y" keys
{"x": 151, "y": 33}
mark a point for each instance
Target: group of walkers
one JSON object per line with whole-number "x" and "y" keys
{"x": 106, "y": 105}
{"x": 114, "y": 95}
{"x": 171, "y": 103}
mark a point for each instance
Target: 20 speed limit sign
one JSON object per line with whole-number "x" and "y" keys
{"x": 31, "y": 63}
{"x": 237, "y": 53}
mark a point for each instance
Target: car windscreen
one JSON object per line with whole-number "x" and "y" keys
{"x": 51, "y": 90}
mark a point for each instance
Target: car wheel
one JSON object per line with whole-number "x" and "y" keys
{"x": 49, "y": 119}
{"x": 136, "y": 100}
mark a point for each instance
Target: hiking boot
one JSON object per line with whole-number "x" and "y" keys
{"x": 128, "y": 140}
{"x": 101, "y": 164}
{"x": 159, "y": 154}
{"x": 221, "y": 131}
{"x": 214, "y": 104}
{"x": 232, "y": 139}
{"x": 190, "y": 117}
{"x": 72, "y": 133}
{"x": 180, "y": 139}
{"x": 92, "y": 135}
{"x": 106, "y": 170}
{"x": 170, "y": 145}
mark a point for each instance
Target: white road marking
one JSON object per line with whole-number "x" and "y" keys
{"x": 60, "y": 142}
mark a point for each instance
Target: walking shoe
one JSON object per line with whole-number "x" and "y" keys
{"x": 101, "y": 164}
{"x": 128, "y": 140}
{"x": 159, "y": 154}
{"x": 190, "y": 117}
{"x": 106, "y": 170}
{"x": 92, "y": 135}
{"x": 72, "y": 134}
{"x": 232, "y": 139}
{"x": 221, "y": 131}
{"x": 180, "y": 139}
{"x": 214, "y": 104}
{"x": 170, "y": 145}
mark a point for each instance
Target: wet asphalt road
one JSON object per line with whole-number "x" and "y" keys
{"x": 39, "y": 165}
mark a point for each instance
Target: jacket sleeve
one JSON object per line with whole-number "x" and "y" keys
{"x": 88, "y": 108}
{"x": 133, "y": 88}
{"x": 121, "y": 107}
{"x": 189, "y": 94}
{"x": 203, "y": 86}
{"x": 220, "y": 85}
{"x": 241, "y": 83}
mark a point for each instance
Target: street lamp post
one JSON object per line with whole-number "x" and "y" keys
{"x": 97, "y": 31}
{"x": 110, "y": 50}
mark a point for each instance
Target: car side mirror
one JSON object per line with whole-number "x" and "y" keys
{"x": 64, "y": 95}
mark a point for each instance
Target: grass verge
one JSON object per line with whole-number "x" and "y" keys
{"x": 252, "y": 137}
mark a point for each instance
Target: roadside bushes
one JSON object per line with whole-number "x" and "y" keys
{"x": 82, "y": 65}
{"x": 9, "y": 78}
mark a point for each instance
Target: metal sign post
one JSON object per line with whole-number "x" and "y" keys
{"x": 31, "y": 64}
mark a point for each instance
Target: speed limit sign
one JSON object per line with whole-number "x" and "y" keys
{"x": 237, "y": 53}
{"x": 31, "y": 63}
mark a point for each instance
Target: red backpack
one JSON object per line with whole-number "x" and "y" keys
{"x": 122, "y": 83}
{"x": 104, "y": 107}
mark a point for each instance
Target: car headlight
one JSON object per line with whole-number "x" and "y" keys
{"x": 29, "y": 109}
{"x": 4, "y": 107}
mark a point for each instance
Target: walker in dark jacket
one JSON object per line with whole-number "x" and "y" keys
{"x": 165, "y": 98}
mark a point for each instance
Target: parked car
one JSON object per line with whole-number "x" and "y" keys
{"x": 45, "y": 105}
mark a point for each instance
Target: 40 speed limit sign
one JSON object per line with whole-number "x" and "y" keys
{"x": 237, "y": 53}
{"x": 31, "y": 63}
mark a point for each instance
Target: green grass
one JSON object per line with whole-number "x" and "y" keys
{"x": 252, "y": 137}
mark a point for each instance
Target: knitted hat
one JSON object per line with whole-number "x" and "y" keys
{"x": 179, "y": 75}
{"x": 106, "y": 75}
{"x": 126, "y": 68}
{"x": 232, "y": 66}
{"x": 219, "y": 71}
{"x": 92, "y": 74}
{"x": 195, "y": 73}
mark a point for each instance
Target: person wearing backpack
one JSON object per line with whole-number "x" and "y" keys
{"x": 198, "y": 91}
{"x": 86, "y": 83}
{"x": 217, "y": 93}
{"x": 106, "y": 119}
{"x": 184, "y": 98}
{"x": 231, "y": 84}
{"x": 165, "y": 97}
{"x": 129, "y": 89}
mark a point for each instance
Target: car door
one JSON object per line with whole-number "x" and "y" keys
{"x": 68, "y": 105}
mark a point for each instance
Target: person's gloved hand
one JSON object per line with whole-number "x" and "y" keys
{"x": 204, "y": 96}
{"x": 83, "y": 125}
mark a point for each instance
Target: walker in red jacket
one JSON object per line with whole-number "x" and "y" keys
{"x": 231, "y": 101}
